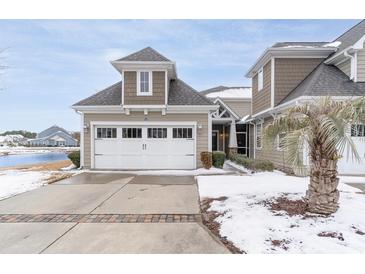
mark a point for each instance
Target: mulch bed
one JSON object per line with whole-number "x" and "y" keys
{"x": 291, "y": 207}
{"x": 331, "y": 235}
{"x": 209, "y": 217}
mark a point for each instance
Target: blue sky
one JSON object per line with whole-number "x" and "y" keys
{"x": 55, "y": 63}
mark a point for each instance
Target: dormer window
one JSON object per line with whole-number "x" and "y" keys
{"x": 144, "y": 83}
{"x": 260, "y": 79}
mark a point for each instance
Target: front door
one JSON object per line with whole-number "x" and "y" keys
{"x": 215, "y": 141}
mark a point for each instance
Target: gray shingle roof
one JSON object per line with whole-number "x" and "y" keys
{"x": 181, "y": 93}
{"x": 299, "y": 44}
{"x": 326, "y": 80}
{"x": 146, "y": 54}
{"x": 108, "y": 97}
{"x": 351, "y": 36}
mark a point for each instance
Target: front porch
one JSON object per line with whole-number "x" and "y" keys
{"x": 230, "y": 133}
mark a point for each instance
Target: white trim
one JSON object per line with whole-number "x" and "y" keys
{"x": 140, "y": 123}
{"x": 166, "y": 88}
{"x": 272, "y": 84}
{"x": 355, "y": 66}
{"x": 122, "y": 87}
{"x": 82, "y": 136}
{"x": 145, "y": 106}
{"x": 227, "y": 108}
{"x": 150, "y": 85}
{"x": 358, "y": 45}
{"x": 209, "y": 132}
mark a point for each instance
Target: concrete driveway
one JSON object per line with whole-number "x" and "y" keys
{"x": 107, "y": 213}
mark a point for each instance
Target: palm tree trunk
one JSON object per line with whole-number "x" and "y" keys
{"x": 322, "y": 195}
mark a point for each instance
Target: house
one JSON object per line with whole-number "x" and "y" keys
{"x": 291, "y": 73}
{"x": 54, "y": 136}
{"x": 151, "y": 119}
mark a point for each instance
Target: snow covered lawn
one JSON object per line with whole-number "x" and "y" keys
{"x": 250, "y": 224}
{"x": 14, "y": 181}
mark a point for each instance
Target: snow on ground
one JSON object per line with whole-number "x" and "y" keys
{"x": 29, "y": 150}
{"x": 251, "y": 226}
{"x": 13, "y": 182}
{"x": 195, "y": 172}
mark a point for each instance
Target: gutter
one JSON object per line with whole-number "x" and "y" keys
{"x": 353, "y": 57}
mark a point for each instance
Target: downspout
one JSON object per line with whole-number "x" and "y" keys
{"x": 254, "y": 141}
{"x": 353, "y": 72}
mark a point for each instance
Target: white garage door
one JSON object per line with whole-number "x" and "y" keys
{"x": 346, "y": 165}
{"x": 144, "y": 147}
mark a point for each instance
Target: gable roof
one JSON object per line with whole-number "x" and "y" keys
{"x": 111, "y": 96}
{"x": 228, "y": 92}
{"x": 181, "y": 93}
{"x": 51, "y": 130}
{"x": 326, "y": 80}
{"x": 147, "y": 54}
{"x": 351, "y": 36}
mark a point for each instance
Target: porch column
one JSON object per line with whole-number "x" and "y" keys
{"x": 232, "y": 138}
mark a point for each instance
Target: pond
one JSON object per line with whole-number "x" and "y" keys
{"x": 34, "y": 158}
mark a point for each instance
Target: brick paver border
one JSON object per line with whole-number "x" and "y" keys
{"x": 100, "y": 218}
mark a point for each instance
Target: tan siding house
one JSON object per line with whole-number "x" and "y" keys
{"x": 361, "y": 65}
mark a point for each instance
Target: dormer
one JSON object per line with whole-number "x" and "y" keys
{"x": 146, "y": 75}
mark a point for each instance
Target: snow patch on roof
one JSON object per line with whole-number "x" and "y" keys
{"x": 335, "y": 44}
{"x": 245, "y": 92}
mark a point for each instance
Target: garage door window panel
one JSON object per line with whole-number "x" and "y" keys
{"x": 132, "y": 133}
{"x": 106, "y": 133}
{"x": 182, "y": 133}
{"x": 157, "y": 133}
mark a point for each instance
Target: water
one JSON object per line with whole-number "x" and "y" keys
{"x": 28, "y": 159}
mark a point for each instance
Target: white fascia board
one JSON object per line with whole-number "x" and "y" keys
{"x": 141, "y": 123}
{"x": 144, "y": 106}
{"x": 192, "y": 107}
{"x": 358, "y": 45}
{"x": 114, "y": 108}
{"x": 288, "y": 53}
{"x": 144, "y": 65}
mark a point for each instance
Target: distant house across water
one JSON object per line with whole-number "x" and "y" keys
{"x": 54, "y": 136}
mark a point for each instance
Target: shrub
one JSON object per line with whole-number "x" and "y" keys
{"x": 252, "y": 164}
{"x": 206, "y": 159}
{"x": 218, "y": 158}
{"x": 74, "y": 156}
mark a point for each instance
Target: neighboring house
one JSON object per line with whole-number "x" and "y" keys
{"x": 291, "y": 73}
{"x": 12, "y": 140}
{"x": 54, "y": 136}
{"x": 234, "y": 107}
{"x": 149, "y": 120}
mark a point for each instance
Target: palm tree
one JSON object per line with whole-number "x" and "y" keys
{"x": 322, "y": 126}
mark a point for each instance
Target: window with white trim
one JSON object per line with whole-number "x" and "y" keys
{"x": 131, "y": 133}
{"x": 157, "y": 133}
{"x": 260, "y": 79}
{"x": 182, "y": 133}
{"x": 280, "y": 141}
{"x": 259, "y": 136}
{"x": 358, "y": 130}
{"x": 107, "y": 133}
{"x": 144, "y": 83}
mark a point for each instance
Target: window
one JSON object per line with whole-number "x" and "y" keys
{"x": 157, "y": 133}
{"x": 258, "y": 136}
{"x": 357, "y": 130}
{"x": 260, "y": 79}
{"x": 242, "y": 139}
{"x": 131, "y": 133}
{"x": 182, "y": 133}
{"x": 106, "y": 133}
{"x": 144, "y": 83}
{"x": 280, "y": 141}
